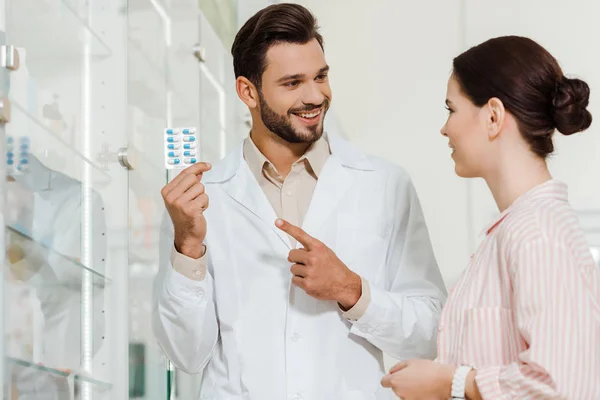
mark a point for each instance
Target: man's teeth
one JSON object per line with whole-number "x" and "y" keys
{"x": 310, "y": 115}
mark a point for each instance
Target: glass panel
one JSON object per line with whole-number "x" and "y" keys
{"x": 52, "y": 378}
{"x": 44, "y": 139}
{"x": 5, "y": 375}
{"x": 65, "y": 272}
{"x": 148, "y": 114}
{"x": 183, "y": 76}
{"x": 20, "y": 243}
{"x": 58, "y": 30}
{"x": 222, "y": 15}
{"x": 213, "y": 97}
{"x": 54, "y": 285}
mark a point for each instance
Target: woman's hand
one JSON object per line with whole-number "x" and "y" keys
{"x": 420, "y": 380}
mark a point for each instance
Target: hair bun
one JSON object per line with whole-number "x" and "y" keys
{"x": 570, "y": 102}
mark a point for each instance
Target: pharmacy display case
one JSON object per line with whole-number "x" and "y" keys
{"x": 86, "y": 89}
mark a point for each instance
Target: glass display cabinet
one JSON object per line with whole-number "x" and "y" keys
{"x": 86, "y": 89}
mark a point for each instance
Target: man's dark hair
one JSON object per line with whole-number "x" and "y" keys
{"x": 278, "y": 23}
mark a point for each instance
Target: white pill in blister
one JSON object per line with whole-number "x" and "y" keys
{"x": 190, "y": 160}
{"x": 189, "y": 139}
{"x": 174, "y": 161}
{"x": 189, "y": 145}
{"x": 172, "y": 139}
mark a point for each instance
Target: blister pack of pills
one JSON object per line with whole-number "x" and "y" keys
{"x": 17, "y": 155}
{"x": 181, "y": 147}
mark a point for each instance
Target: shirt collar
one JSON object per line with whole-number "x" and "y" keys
{"x": 316, "y": 156}
{"x": 552, "y": 189}
{"x": 255, "y": 159}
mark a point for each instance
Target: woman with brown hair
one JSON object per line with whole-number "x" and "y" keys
{"x": 523, "y": 322}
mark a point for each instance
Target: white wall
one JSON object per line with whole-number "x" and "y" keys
{"x": 247, "y": 8}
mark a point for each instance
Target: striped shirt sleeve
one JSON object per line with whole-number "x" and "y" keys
{"x": 557, "y": 317}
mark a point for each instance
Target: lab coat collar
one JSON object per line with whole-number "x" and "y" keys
{"x": 348, "y": 155}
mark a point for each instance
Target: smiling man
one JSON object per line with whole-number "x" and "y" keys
{"x": 268, "y": 310}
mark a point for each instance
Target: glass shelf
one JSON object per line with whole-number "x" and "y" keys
{"x": 71, "y": 279}
{"x": 148, "y": 92}
{"x": 222, "y": 15}
{"x": 148, "y": 85}
{"x": 38, "y": 132}
{"x": 53, "y": 30}
{"x": 141, "y": 59}
{"x": 150, "y": 166}
{"x": 150, "y": 82}
{"x": 97, "y": 384}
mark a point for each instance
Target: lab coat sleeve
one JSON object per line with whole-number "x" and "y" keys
{"x": 403, "y": 314}
{"x": 184, "y": 317}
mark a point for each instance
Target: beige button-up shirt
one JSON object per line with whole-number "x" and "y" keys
{"x": 289, "y": 197}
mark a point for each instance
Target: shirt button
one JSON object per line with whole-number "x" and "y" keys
{"x": 197, "y": 272}
{"x": 288, "y": 193}
{"x": 297, "y": 396}
{"x": 295, "y": 337}
{"x": 200, "y": 293}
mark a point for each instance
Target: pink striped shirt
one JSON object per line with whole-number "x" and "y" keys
{"x": 526, "y": 311}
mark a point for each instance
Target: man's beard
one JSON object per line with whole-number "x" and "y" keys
{"x": 282, "y": 125}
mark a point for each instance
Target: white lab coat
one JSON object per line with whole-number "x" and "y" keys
{"x": 254, "y": 335}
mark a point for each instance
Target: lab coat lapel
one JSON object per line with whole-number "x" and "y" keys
{"x": 244, "y": 189}
{"x": 333, "y": 185}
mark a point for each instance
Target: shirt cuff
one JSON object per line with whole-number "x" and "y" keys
{"x": 359, "y": 309}
{"x": 191, "y": 268}
{"x": 488, "y": 383}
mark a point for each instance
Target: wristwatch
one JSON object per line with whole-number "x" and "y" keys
{"x": 459, "y": 382}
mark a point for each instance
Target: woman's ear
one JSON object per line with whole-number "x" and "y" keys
{"x": 495, "y": 118}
